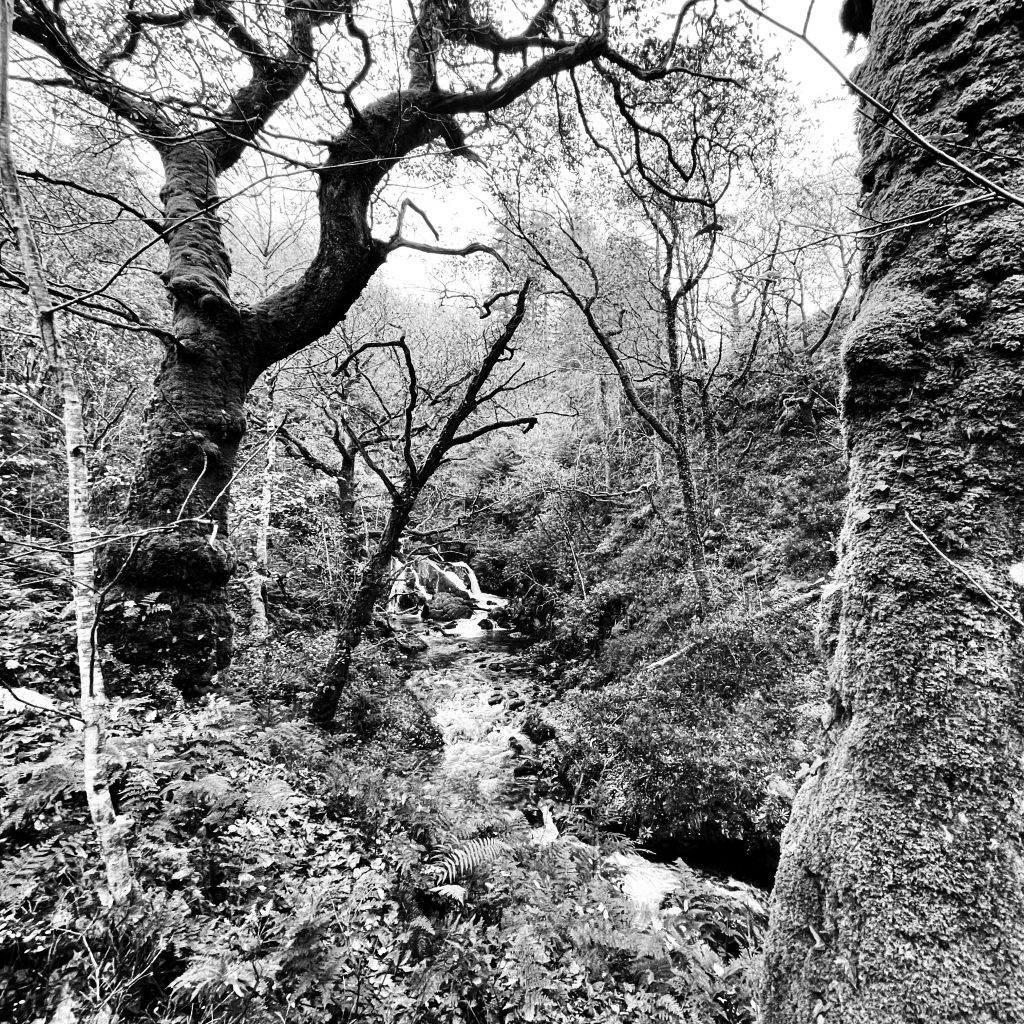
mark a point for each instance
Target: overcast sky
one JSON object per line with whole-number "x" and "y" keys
{"x": 821, "y": 92}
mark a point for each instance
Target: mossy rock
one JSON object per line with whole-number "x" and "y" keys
{"x": 446, "y": 606}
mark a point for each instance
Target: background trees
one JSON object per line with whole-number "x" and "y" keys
{"x": 123, "y": 61}
{"x": 432, "y": 420}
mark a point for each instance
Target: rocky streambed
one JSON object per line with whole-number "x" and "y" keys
{"x": 480, "y": 685}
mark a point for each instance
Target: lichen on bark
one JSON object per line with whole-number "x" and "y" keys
{"x": 900, "y": 895}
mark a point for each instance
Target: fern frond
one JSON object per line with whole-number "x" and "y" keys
{"x": 460, "y": 862}
{"x": 454, "y": 892}
{"x": 670, "y": 1009}
{"x": 140, "y": 797}
{"x": 421, "y": 932}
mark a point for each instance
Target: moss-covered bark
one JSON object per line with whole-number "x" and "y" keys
{"x": 900, "y": 895}
{"x": 167, "y": 604}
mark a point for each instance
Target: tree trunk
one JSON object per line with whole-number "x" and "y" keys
{"x": 169, "y": 613}
{"x": 259, "y": 627}
{"x": 352, "y": 545}
{"x": 684, "y": 463}
{"x": 110, "y": 830}
{"x": 712, "y": 459}
{"x": 177, "y": 517}
{"x": 174, "y": 553}
{"x": 900, "y": 894}
{"x": 359, "y": 612}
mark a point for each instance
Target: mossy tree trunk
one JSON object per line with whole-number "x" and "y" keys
{"x": 167, "y": 574}
{"x": 900, "y": 894}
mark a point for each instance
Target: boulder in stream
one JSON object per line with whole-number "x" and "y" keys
{"x": 538, "y": 729}
{"x": 410, "y": 643}
{"x": 447, "y": 606}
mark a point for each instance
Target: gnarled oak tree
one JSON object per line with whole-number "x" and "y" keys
{"x": 171, "y": 74}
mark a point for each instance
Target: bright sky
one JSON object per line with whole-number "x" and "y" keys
{"x": 826, "y": 99}
{"x": 813, "y": 77}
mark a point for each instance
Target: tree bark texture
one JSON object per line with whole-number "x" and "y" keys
{"x": 900, "y": 894}
{"x": 169, "y": 569}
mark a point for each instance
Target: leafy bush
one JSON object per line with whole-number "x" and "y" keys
{"x": 699, "y": 750}
{"x": 37, "y": 644}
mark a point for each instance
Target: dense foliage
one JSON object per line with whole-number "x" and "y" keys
{"x": 284, "y": 873}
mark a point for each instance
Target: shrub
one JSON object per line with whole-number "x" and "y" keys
{"x": 687, "y": 753}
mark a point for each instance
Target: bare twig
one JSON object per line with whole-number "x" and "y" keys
{"x": 996, "y": 603}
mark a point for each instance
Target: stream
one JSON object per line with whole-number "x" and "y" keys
{"x": 480, "y": 684}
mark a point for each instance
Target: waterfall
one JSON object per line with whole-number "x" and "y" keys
{"x": 441, "y": 579}
{"x": 473, "y": 583}
{"x": 407, "y": 592}
{"x": 422, "y": 577}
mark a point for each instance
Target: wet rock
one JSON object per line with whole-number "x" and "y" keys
{"x": 537, "y": 729}
{"x": 448, "y": 606}
{"x": 410, "y": 643}
{"x": 516, "y": 705}
{"x": 495, "y": 698}
{"x": 486, "y": 623}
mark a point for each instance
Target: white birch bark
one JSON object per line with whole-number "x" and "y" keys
{"x": 93, "y": 697}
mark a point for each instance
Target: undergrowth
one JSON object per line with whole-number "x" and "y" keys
{"x": 285, "y": 875}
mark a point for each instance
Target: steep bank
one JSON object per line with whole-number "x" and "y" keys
{"x": 689, "y": 735}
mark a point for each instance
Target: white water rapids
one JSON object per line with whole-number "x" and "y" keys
{"x": 479, "y": 689}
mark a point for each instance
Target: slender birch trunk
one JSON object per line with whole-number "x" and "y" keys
{"x": 93, "y": 697}
{"x": 260, "y": 628}
{"x": 684, "y": 464}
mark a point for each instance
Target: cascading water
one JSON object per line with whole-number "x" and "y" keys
{"x": 473, "y": 584}
{"x": 479, "y": 689}
{"x": 422, "y": 577}
{"x": 407, "y": 594}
